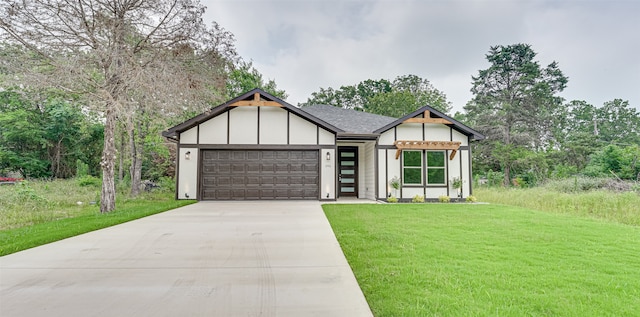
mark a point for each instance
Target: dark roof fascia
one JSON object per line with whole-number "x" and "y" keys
{"x": 217, "y": 110}
{"x": 454, "y": 123}
{"x": 357, "y": 136}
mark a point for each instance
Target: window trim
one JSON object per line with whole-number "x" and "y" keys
{"x": 420, "y": 168}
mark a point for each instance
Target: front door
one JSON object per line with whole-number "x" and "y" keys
{"x": 347, "y": 171}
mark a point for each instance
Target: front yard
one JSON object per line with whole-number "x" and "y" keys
{"x": 488, "y": 260}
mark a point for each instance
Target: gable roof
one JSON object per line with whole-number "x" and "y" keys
{"x": 173, "y": 132}
{"x": 351, "y": 121}
{"x": 455, "y": 124}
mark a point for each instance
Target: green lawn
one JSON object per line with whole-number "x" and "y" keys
{"x": 488, "y": 260}
{"x": 36, "y": 213}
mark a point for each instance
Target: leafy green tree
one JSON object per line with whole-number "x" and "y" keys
{"x": 624, "y": 162}
{"x": 23, "y": 143}
{"x": 617, "y": 122}
{"x": 515, "y": 104}
{"x": 110, "y": 51}
{"x": 244, "y": 77}
{"x": 390, "y": 98}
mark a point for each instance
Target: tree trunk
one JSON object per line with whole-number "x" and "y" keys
{"x": 137, "y": 152}
{"x": 121, "y": 158}
{"x": 108, "y": 196}
{"x": 507, "y": 175}
{"x": 136, "y": 164}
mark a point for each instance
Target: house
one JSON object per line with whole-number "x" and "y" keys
{"x": 257, "y": 147}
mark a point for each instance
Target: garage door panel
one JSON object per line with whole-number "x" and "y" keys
{"x": 310, "y": 155}
{"x": 255, "y": 174}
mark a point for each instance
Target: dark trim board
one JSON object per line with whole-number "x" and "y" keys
{"x": 262, "y": 147}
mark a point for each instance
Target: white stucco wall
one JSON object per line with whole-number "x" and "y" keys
{"x": 387, "y": 138}
{"x": 369, "y": 171}
{"x": 434, "y": 193}
{"x": 302, "y": 131}
{"x": 393, "y": 170}
{"x": 214, "y": 130}
{"x": 466, "y": 178}
{"x": 326, "y": 137}
{"x": 327, "y": 174}
{"x": 190, "y": 136}
{"x": 273, "y": 125}
{"x": 410, "y": 192}
{"x": 383, "y": 186}
{"x": 243, "y": 125}
{"x": 437, "y": 132}
{"x": 457, "y": 136}
{"x": 454, "y": 171}
{"x": 409, "y": 131}
{"x": 187, "y": 178}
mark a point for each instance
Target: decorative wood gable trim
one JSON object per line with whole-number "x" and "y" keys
{"x": 427, "y": 145}
{"x": 427, "y": 119}
{"x": 256, "y": 102}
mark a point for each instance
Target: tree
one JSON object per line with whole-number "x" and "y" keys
{"x": 617, "y": 122}
{"x": 108, "y": 51}
{"x": 394, "y": 98}
{"x": 244, "y": 77}
{"x": 515, "y": 103}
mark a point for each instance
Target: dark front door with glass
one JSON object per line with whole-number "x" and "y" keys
{"x": 348, "y": 170}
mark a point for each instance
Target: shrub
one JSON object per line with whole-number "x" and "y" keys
{"x": 26, "y": 193}
{"x": 417, "y": 199}
{"x": 471, "y": 199}
{"x": 392, "y": 200}
{"x": 444, "y": 199}
{"x": 88, "y": 180}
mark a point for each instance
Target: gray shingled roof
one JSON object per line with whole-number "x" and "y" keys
{"x": 351, "y": 121}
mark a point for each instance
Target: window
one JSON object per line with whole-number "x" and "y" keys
{"x": 412, "y": 167}
{"x": 436, "y": 168}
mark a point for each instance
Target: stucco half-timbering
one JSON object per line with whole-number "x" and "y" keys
{"x": 389, "y": 166}
{"x": 188, "y": 167}
{"x": 257, "y": 121}
{"x": 253, "y": 127}
{"x": 328, "y": 173}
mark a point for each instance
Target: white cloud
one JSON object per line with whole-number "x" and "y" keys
{"x": 305, "y": 45}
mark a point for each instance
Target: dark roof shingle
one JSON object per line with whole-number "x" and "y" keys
{"x": 351, "y": 121}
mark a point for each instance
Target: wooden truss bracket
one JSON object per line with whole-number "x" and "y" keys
{"x": 256, "y": 102}
{"x": 427, "y": 145}
{"x": 427, "y": 119}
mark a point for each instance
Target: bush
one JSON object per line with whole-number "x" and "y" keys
{"x": 417, "y": 199}
{"x": 88, "y": 180}
{"x": 471, "y": 199}
{"x": 392, "y": 200}
{"x": 444, "y": 199}
{"x": 576, "y": 184}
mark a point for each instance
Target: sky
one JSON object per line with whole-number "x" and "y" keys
{"x": 307, "y": 44}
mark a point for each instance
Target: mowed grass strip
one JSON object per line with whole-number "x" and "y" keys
{"x": 18, "y": 239}
{"x": 488, "y": 260}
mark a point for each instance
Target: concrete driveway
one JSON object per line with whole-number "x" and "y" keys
{"x": 206, "y": 259}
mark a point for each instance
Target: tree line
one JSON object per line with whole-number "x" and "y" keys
{"x": 532, "y": 133}
{"x": 138, "y": 65}
{"x": 87, "y": 86}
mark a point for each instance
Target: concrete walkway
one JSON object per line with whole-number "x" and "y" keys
{"x": 206, "y": 259}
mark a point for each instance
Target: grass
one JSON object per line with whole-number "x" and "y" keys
{"x": 37, "y": 213}
{"x": 600, "y": 204}
{"x": 488, "y": 260}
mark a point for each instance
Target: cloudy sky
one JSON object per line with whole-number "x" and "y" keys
{"x": 307, "y": 44}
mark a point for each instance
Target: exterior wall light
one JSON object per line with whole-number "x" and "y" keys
{"x": 187, "y": 156}
{"x": 328, "y": 156}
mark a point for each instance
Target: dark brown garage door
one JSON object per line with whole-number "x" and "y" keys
{"x": 254, "y": 175}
